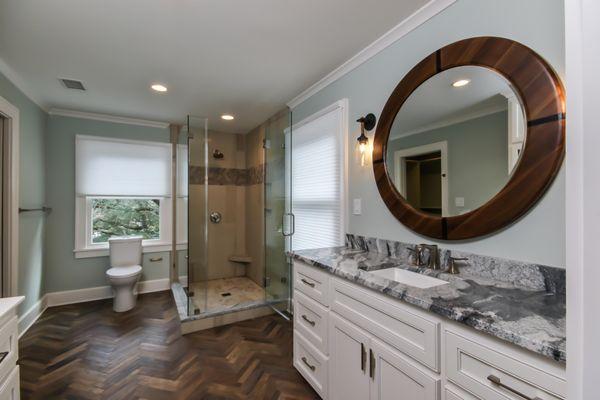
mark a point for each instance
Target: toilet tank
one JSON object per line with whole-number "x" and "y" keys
{"x": 125, "y": 251}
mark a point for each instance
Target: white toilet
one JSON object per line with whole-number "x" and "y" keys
{"x": 125, "y": 270}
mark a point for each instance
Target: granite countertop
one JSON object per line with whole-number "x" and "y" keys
{"x": 528, "y": 316}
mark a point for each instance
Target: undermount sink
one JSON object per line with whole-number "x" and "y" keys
{"x": 409, "y": 278}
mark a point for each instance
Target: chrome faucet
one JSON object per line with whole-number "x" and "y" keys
{"x": 434, "y": 258}
{"x": 418, "y": 252}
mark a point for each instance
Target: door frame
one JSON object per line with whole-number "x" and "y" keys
{"x": 10, "y": 113}
{"x": 400, "y": 168}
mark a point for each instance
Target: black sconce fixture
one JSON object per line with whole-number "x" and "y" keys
{"x": 366, "y": 123}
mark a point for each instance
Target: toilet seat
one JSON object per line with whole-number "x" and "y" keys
{"x": 124, "y": 272}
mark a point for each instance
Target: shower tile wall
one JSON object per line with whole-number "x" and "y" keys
{"x": 236, "y": 192}
{"x": 255, "y": 233}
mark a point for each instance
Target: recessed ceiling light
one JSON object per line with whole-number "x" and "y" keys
{"x": 227, "y": 117}
{"x": 461, "y": 83}
{"x": 159, "y": 88}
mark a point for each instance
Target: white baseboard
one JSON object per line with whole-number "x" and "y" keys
{"x": 54, "y": 299}
{"x": 32, "y": 315}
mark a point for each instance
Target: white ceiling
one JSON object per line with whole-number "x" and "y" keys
{"x": 437, "y": 103}
{"x": 247, "y": 58}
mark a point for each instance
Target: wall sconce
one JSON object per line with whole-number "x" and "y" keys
{"x": 367, "y": 122}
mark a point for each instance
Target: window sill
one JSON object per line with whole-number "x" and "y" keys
{"x": 146, "y": 248}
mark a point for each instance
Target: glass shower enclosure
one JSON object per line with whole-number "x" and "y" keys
{"x": 233, "y": 201}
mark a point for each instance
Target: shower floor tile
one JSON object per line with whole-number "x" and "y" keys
{"x": 227, "y": 293}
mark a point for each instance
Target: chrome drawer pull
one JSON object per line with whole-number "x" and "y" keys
{"x": 363, "y": 357}
{"x": 307, "y": 282}
{"x": 312, "y": 367}
{"x": 312, "y": 323}
{"x": 496, "y": 381}
{"x": 371, "y": 364}
{"x": 156, "y": 259}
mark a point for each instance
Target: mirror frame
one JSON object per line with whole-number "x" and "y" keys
{"x": 543, "y": 98}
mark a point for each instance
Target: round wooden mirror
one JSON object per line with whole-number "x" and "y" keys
{"x": 470, "y": 139}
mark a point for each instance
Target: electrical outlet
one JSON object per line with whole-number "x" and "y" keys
{"x": 459, "y": 201}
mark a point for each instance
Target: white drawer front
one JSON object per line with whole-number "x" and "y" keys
{"x": 312, "y": 282}
{"x": 311, "y": 320}
{"x": 390, "y": 321}
{"x": 9, "y": 336}
{"x": 311, "y": 364}
{"x": 10, "y": 388}
{"x": 456, "y": 394}
{"x": 469, "y": 364}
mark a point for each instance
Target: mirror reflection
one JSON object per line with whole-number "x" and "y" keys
{"x": 456, "y": 141}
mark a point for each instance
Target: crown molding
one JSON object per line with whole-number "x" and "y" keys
{"x": 108, "y": 118}
{"x": 416, "y": 19}
{"x": 20, "y": 84}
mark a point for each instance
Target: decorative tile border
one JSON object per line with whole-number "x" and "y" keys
{"x": 516, "y": 273}
{"x": 228, "y": 176}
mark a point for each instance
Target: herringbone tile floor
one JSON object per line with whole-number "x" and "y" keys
{"x": 85, "y": 351}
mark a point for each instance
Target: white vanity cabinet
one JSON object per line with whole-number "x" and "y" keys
{"x": 353, "y": 343}
{"x": 9, "y": 348}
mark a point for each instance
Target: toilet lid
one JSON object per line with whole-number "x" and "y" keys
{"x": 124, "y": 272}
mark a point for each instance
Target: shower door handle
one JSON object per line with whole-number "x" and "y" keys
{"x": 293, "y": 224}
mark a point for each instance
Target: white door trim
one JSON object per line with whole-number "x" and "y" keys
{"x": 400, "y": 168}
{"x": 11, "y": 113}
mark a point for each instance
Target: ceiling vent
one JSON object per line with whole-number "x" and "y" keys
{"x": 72, "y": 84}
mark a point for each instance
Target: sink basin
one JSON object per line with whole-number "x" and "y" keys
{"x": 409, "y": 278}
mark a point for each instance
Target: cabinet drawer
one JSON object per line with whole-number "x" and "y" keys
{"x": 456, "y": 394}
{"x": 312, "y": 282}
{"x": 390, "y": 321}
{"x": 10, "y": 388}
{"x": 470, "y": 365}
{"x": 311, "y": 364}
{"x": 8, "y": 344}
{"x": 310, "y": 319}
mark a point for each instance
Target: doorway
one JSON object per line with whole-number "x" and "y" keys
{"x": 421, "y": 175}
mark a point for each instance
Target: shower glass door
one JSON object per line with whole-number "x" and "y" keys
{"x": 194, "y": 161}
{"x": 278, "y": 218}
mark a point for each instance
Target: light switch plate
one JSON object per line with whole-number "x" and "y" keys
{"x": 459, "y": 201}
{"x": 357, "y": 206}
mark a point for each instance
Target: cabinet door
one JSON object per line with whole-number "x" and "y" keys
{"x": 396, "y": 377}
{"x": 349, "y": 364}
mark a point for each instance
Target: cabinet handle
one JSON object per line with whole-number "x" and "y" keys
{"x": 307, "y": 282}
{"x": 312, "y": 367}
{"x": 363, "y": 357}
{"x": 312, "y": 323}
{"x": 156, "y": 259}
{"x": 496, "y": 381}
{"x": 371, "y": 364}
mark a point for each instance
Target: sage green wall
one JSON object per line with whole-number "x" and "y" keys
{"x": 31, "y": 194}
{"x": 63, "y": 270}
{"x": 537, "y": 237}
{"x": 477, "y": 157}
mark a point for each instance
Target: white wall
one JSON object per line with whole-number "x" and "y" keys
{"x": 537, "y": 237}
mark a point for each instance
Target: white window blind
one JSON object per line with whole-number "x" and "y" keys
{"x": 317, "y": 179}
{"x": 182, "y": 170}
{"x": 113, "y": 167}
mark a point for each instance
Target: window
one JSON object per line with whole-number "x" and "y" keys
{"x": 318, "y": 166}
{"x": 123, "y": 188}
{"x": 125, "y": 217}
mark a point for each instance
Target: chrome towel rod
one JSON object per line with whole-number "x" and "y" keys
{"x": 44, "y": 209}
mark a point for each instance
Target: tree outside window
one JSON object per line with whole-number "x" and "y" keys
{"x": 125, "y": 217}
